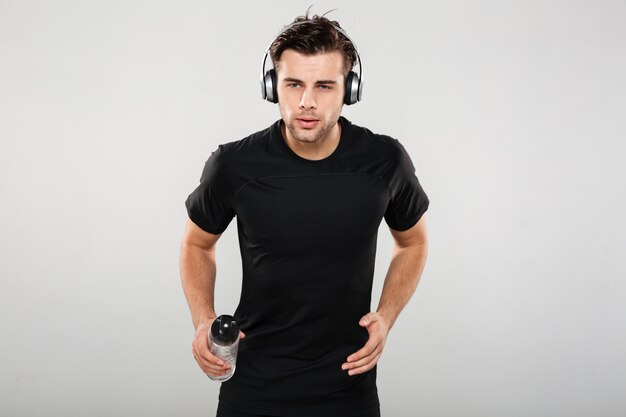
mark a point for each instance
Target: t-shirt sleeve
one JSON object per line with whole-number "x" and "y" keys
{"x": 408, "y": 201}
{"x": 209, "y": 206}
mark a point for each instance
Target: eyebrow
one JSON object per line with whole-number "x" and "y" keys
{"x": 295, "y": 80}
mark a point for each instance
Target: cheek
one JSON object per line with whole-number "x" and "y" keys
{"x": 338, "y": 102}
{"x": 287, "y": 98}
{"x": 285, "y": 110}
{"x": 338, "y": 96}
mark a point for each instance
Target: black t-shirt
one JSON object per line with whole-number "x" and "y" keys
{"x": 307, "y": 234}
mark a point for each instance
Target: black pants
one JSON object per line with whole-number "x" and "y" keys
{"x": 227, "y": 412}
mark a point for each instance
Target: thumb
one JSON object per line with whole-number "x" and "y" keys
{"x": 367, "y": 319}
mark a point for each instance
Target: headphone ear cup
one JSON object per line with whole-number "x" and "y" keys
{"x": 269, "y": 84}
{"x": 353, "y": 88}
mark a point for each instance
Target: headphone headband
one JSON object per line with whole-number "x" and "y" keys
{"x": 354, "y": 82}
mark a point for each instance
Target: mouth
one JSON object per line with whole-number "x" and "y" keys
{"x": 307, "y": 122}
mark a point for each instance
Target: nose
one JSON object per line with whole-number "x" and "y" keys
{"x": 307, "y": 101}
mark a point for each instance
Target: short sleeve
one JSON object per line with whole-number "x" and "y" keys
{"x": 408, "y": 201}
{"x": 209, "y": 205}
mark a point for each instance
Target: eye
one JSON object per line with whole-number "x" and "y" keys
{"x": 325, "y": 87}
{"x": 293, "y": 85}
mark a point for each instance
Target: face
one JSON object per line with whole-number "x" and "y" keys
{"x": 310, "y": 94}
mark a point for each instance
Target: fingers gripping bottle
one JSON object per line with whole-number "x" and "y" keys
{"x": 224, "y": 343}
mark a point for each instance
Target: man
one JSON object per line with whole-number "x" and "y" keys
{"x": 309, "y": 193}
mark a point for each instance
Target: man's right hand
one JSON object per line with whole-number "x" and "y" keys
{"x": 208, "y": 362}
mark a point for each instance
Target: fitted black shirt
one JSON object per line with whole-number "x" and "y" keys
{"x": 307, "y": 234}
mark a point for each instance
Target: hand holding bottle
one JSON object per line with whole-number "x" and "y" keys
{"x": 223, "y": 341}
{"x": 211, "y": 364}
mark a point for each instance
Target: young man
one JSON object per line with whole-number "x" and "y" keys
{"x": 309, "y": 193}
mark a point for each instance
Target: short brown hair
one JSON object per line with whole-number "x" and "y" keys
{"x": 314, "y": 35}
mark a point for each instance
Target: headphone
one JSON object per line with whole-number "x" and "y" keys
{"x": 354, "y": 82}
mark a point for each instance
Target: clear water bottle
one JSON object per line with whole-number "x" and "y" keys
{"x": 224, "y": 343}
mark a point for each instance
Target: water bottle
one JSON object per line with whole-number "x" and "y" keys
{"x": 224, "y": 343}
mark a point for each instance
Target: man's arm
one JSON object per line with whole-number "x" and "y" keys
{"x": 197, "y": 271}
{"x": 409, "y": 257}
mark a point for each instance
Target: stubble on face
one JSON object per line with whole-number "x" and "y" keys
{"x": 306, "y": 71}
{"x": 315, "y": 135}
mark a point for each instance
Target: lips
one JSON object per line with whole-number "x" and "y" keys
{"x": 307, "y": 123}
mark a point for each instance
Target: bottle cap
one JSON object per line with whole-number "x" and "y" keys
{"x": 225, "y": 330}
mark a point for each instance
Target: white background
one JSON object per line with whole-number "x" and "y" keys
{"x": 513, "y": 114}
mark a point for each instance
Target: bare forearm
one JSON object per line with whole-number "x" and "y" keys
{"x": 401, "y": 281}
{"x": 197, "y": 270}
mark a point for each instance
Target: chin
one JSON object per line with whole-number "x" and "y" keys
{"x": 314, "y": 135}
{"x": 310, "y": 137}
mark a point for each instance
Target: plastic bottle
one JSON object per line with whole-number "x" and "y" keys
{"x": 224, "y": 343}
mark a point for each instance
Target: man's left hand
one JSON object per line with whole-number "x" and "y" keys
{"x": 367, "y": 357}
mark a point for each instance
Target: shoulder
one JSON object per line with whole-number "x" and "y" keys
{"x": 230, "y": 157}
{"x": 223, "y": 168}
{"x": 379, "y": 144}
{"x": 249, "y": 146}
